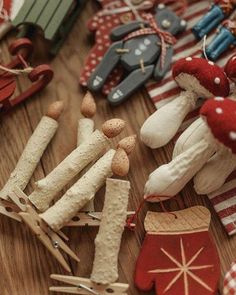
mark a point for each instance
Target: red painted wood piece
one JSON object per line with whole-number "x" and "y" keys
{"x": 178, "y": 264}
{"x": 40, "y": 76}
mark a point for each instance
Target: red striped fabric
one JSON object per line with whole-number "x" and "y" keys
{"x": 224, "y": 200}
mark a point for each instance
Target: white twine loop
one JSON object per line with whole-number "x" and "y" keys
{"x": 204, "y": 47}
{"x": 16, "y": 71}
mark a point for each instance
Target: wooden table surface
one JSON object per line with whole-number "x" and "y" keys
{"x": 25, "y": 264}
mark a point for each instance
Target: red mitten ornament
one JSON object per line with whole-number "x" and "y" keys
{"x": 113, "y": 14}
{"x": 178, "y": 256}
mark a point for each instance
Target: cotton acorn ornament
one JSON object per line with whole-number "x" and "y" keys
{"x": 169, "y": 179}
{"x": 199, "y": 78}
{"x": 178, "y": 256}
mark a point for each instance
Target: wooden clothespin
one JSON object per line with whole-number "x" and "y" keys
{"x": 40, "y": 76}
{"x": 86, "y": 286}
{"x": 88, "y": 219}
{"x": 51, "y": 240}
{"x": 105, "y": 271}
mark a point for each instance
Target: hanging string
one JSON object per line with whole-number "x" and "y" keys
{"x": 16, "y": 71}
{"x": 131, "y": 219}
{"x": 27, "y": 69}
{"x": 204, "y": 47}
{"x": 133, "y": 9}
{"x": 113, "y": 8}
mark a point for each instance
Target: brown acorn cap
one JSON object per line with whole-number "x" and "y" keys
{"x": 120, "y": 163}
{"x": 127, "y": 143}
{"x": 88, "y": 107}
{"x": 113, "y": 127}
{"x": 55, "y": 110}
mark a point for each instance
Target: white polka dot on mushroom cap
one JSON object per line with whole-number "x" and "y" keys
{"x": 189, "y": 58}
{"x": 217, "y": 80}
{"x": 232, "y": 135}
{"x": 218, "y": 98}
{"x": 211, "y": 63}
{"x": 219, "y": 111}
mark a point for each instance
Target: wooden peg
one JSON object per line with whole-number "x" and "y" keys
{"x": 86, "y": 286}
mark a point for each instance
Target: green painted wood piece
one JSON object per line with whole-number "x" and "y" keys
{"x": 25, "y": 9}
{"x": 54, "y": 17}
{"x": 66, "y": 28}
{"x": 57, "y": 19}
{"x": 36, "y": 11}
{"x": 50, "y": 10}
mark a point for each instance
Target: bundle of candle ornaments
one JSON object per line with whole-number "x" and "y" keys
{"x": 93, "y": 153}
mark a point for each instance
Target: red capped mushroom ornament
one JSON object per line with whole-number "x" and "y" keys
{"x": 219, "y": 116}
{"x": 198, "y": 77}
{"x": 214, "y": 174}
{"x": 197, "y": 129}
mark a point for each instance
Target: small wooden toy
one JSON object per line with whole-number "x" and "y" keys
{"x": 220, "y": 10}
{"x": 169, "y": 179}
{"x": 199, "y": 78}
{"x": 113, "y": 14}
{"x": 224, "y": 39}
{"x": 40, "y": 75}
{"x": 107, "y": 246}
{"x": 54, "y": 18}
{"x": 145, "y": 50}
{"x": 178, "y": 256}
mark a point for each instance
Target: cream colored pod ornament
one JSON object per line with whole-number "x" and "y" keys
{"x": 199, "y": 78}
{"x": 169, "y": 179}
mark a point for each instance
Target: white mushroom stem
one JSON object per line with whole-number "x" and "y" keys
{"x": 193, "y": 134}
{"x": 169, "y": 179}
{"x": 30, "y": 156}
{"x": 47, "y": 188}
{"x": 107, "y": 242}
{"x": 85, "y": 129}
{"x": 215, "y": 172}
{"x": 162, "y": 126}
{"x": 79, "y": 194}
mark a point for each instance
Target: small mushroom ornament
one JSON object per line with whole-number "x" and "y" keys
{"x": 199, "y": 78}
{"x": 214, "y": 174}
{"x": 220, "y": 118}
{"x": 197, "y": 129}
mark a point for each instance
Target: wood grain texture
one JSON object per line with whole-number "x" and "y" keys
{"x": 25, "y": 264}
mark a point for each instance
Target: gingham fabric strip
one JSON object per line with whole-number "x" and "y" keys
{"x": 230, "y": 281}
{"x": 223, "y": 200}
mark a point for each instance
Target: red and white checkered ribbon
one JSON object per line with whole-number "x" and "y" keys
{"x": 166, "y": 37}
{"x": 230, "y": 281}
